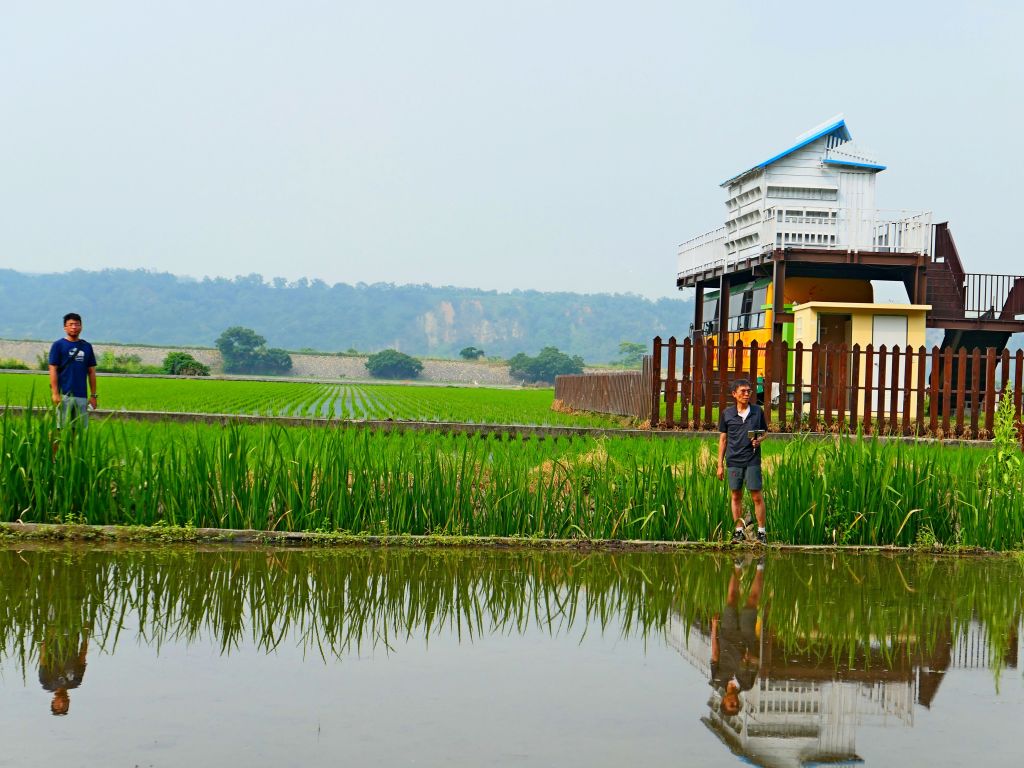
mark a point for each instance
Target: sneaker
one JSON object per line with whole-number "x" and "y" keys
{"x": 738, "y": 537}
{"x": 762, "y": 537}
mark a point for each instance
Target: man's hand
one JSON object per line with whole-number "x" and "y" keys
{"x": 55, "y": 396}
{"x": 756, "y": 441}
{"x": 93, "y": 401}
{"x": 721, "y": 472}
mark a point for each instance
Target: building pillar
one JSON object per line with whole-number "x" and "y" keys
{"x": 779, "y": 315}
{"x": 723, "y": 313}
{"x": 698, "y": 313}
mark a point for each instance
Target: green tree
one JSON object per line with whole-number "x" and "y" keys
{"x": 245, "y": 351}
{"x": 631, "y": 353}
{"x": 183, "y": 364}
{"x": 545, "y": 366}
{"x": 471, "y": 353}
{"x": 240, "y": 348}
{"x": 392, "y": 364}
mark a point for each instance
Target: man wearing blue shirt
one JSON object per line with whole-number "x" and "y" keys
{"x": 72, "y": 364}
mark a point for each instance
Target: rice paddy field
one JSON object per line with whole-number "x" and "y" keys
{"x": 316, "y": 400}
{"x": 269, "y": 477}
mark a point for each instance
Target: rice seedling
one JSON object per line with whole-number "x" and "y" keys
{"x": 315, "y": 479}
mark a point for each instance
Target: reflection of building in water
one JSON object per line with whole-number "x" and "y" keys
{"x": 806, "y": 707}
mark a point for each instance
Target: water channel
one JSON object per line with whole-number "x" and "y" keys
{"x": 149, "y": 656}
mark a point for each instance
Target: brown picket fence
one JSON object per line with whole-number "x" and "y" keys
{"x": 625, "y": 393}
{"x": 942, "y": 393}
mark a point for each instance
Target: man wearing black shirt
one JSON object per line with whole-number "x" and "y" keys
{"x": 741, "y": 453}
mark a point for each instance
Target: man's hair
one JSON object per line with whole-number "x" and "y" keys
{"x": 737, "y": 384}
{"x": 72, "y": 316}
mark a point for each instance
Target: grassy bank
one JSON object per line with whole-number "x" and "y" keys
{"x": 860, "y": 492}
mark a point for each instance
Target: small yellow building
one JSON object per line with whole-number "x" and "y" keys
{"x": 832, "y": 322}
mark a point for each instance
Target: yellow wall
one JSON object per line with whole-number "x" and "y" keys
{"x": 803, "y": 289}
{"x": 805, "y": 321}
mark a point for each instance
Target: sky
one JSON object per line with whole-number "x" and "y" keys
{"x": 477, "y": 143}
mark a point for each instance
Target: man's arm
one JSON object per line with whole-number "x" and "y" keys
{"x": 92, "y": 385}
{"x": 722, "y": 439}
{"x": 54, "y": 391}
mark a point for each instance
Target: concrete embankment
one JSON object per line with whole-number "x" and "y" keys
{"x": 305, "y": 366}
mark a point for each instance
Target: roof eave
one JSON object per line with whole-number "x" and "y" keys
{"x": 839, "y": 125}
{"x": 854, "y": 164}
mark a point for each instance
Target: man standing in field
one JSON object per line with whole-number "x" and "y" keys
{"x": 72, "y": 364}
{"x": 741, "y": 452}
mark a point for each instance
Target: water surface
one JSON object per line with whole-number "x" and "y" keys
{"x": 272, "y": 657}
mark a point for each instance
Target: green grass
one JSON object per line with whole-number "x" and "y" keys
{"x": 316, "y": 479}
{"x": 336, "y": 401}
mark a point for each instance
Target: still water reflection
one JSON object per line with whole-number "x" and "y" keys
{"x": 403, "y": 657}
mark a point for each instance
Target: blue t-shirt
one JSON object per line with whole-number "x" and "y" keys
{"x": 73, "y": 360}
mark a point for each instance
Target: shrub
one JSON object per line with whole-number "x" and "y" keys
{"x": 183, "y": 364}
{"x": 545, "y": 366}
{"x": 11, "y": 363}
{"x": 392, "y": 364}
{"x": 108, "y": 362}
{"x": 471, "y": 353}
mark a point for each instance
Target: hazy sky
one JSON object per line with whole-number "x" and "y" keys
{"x": 521, "y": 144}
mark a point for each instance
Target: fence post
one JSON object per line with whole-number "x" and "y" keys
{"x": 656, "y": 382}
{"x": 869, "y": 387}
{"x": 908, "y": 386}
{"x": 685, "y": 383}
{"x": 922, "y": 359}
{"x": 798, "y": 387}
{"x": 709, "y": 363}
{"x": 853, "y": 398}
{"x": 933, "y": 394}
{"x": 961, "y": 388}
{"x": 975, "y": 391}
{"x": 1018, "y": 383}
{"x": 723, "y": 379}
{"x": 670, "y": 385}
{"x": 990, "y": 390}
{"x": 894, "y": 383}
{"x": 812, "y": 422}
{"x": 828, "y": 354}
{"x": 752, "y": 375}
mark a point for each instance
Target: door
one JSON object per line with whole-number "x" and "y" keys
{"x": 890, "y": 330}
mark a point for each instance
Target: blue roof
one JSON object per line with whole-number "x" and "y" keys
{"x": 835, "y": 128}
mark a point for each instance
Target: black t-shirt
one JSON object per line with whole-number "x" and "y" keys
{"x": 738, "y": 450}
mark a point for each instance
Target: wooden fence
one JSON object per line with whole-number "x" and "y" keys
{"x": 936, "y": 393}
{"x": 625, "y": 393}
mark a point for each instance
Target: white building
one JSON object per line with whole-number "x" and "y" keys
{"x": 817, "y": 194}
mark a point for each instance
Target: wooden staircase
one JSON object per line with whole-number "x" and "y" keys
{"x": 975, "y": 310}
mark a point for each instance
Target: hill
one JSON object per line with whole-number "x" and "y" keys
{"x": 140, "y": 307}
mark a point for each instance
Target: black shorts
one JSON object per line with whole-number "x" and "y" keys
{"x": 749, "y": 476}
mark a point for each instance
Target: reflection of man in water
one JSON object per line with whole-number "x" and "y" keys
{"x": 60, "y": 672}
{"x": 735, "y": 645}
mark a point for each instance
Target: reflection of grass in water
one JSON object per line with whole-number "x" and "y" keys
{"x": 856, "y": 492}
{"x": 335, "y": 603}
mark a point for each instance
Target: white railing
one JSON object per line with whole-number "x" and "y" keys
{"x": 704, "y": 252}
{"x": 844, "y": 229}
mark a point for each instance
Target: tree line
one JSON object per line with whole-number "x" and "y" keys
{"x": 158, "y": 308}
